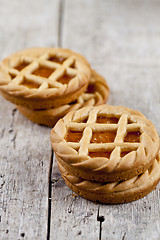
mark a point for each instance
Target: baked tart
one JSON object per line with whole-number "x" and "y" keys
{"x": 42, "y": 78}
{"x": 105, "y": 143}
{"x": 96, "y": 93}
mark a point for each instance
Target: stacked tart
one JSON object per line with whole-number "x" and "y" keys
{"x": 107, "y": 153}
{"x": 47, "y": 83}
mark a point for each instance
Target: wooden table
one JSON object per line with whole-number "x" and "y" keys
{"x": 121, "y": 40}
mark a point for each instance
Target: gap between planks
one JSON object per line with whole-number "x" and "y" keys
{"x": 99, "y": 219}
{"x": 49, "y": 195}
{"x": 59, "y": 44}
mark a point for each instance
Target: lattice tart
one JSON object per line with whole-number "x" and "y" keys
{"x": 115, "y": 192}
{"x": 105, "y": 143}
{"x": 97, "y": 93}
{"x": 42, "y": 78}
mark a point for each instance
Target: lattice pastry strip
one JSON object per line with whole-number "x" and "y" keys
{"x": 121, "y": 130}
{"x": 47, "y": 74}
{"x": 83, "y": 147}
{"x": 113, "y": 142}
{"x": 58, "y": 71}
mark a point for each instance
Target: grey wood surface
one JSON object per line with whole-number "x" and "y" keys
{"x": 120, "y": 38}
{"x": 121, "y": 41}
{"x": 25, "y": 151}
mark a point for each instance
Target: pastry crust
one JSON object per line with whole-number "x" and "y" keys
{"x": 115, "y": 192}
{"x": 66, "y": 77}
{"x": 126, "y": 159}
{"x": 96, "y": 94}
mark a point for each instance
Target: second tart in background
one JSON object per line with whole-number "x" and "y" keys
{"x": 96, "y": 93}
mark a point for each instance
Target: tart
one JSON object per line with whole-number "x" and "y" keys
{"x": 96, "y": 93}
{"x": 105, "y": 143}
{"x": 42, "y": 78}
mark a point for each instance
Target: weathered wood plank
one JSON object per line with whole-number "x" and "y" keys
{"x": 121, "y": 41}
{"x": 27, "y": 24}
{"x": 72, "y": 217}
{"x": 25, "y": 150}
{"x": 136, "y": 220}
{"x": 137, "y": 69}
{"x": 24, "y": 179}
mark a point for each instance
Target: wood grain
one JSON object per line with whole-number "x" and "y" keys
{"x": 120, "y": 38}
{"x": 121, "y": 41}
{"x": 25, "y": 150}
{"x": 72, "y": 217}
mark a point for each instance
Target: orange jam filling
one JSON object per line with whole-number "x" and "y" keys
{"x": 129, "y": 121}
{"x": 43, "y": 72}
{"x": 132, "y": 137}
{"x": 73, "y": 136}
{"x": 91, "y": 88}
{"x": 84, "y": 120}
{"x": 99, "y": 154}
{"x": 29, "y": 84}
{"x": 57, "y": 59}
{"x": 73, "y": 65}
{"x": 21, "y": 66}
{"x": 124, "y": 153}
{"x": 65, "y": 79}
{"x": 12, "y": 75}
{"x": 103, "y": 137}
{"x": 101, "y": 119}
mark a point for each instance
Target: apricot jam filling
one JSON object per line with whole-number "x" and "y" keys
{"x": 103, "y": 137}
{"x": 21, "y": 66}
{"x": 90, "y": 88}
{"x": 65, "y": 79}
{"x": 73, "y": 136}
{"x": 130, "y": 122}
{"x": 101, "y": 119}
{"x": 43, "y": 71}
{"x": 132, "y": 137}
{"x": 124, "y": 153}
{"x": 99, "y": 154}
{"x": 73, "y": 65}
{"x": 29, "y": 84}
{"x": 12, "y": 75}
{"x": 57, "y": 59}
{"x": 84, "y": 120}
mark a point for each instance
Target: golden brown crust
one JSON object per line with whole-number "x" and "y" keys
{"x": 44, "y": 92}
{"x": 96, "y": 94}
{"x": 139, "y": 155}
{"x": 103, "y": 177}
{"x": 115, "y": 192}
